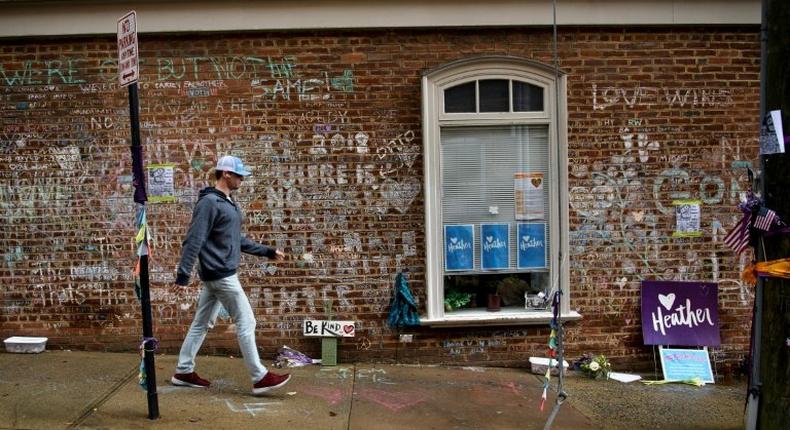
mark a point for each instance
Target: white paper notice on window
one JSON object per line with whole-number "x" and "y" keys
{"x": 529, "y": 196}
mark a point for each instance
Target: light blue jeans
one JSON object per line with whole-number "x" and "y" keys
{"x": 229, "y": 293}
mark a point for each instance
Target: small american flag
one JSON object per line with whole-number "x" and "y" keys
{"x": 738, "y": 238}
{"x": 765, "y": 219}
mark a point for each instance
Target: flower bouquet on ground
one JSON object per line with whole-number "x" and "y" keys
{"x": 595, "y": 367}
{"x": 288, "y": 357}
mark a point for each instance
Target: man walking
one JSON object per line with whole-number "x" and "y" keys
{"x": 215, "y": 239}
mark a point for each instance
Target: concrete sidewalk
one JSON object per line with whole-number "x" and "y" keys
{"x": 89, "y": 390}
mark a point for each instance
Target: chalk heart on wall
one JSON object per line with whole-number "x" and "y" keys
{"x": 667, "y": 300}
{"x": 400, "y": 194}
{"x": 489, "y": 239}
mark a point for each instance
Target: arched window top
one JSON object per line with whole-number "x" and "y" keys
{"x": 503, "y": 86}
{"x": 485, "y": 63}
{"x": 493, "y": 95}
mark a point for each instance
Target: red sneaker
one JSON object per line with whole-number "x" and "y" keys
{"x": 189, "y": 380}
{"x": 270, "y": 382}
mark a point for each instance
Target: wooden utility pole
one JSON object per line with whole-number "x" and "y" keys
{"x": 773, "y": 337}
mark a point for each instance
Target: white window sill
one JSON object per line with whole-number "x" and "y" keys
{"x": 506, "y": 316}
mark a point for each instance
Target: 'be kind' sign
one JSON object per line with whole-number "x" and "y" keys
{"x": 680, "y": 313}
{"x": 328, "y": 328}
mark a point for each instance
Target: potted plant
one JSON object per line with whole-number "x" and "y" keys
{"x": 454, "y": 299}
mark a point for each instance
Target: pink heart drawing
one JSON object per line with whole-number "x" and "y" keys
{"x": 348, "y": 328}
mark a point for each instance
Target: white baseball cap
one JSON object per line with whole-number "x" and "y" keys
{"x": 233, "y": 164}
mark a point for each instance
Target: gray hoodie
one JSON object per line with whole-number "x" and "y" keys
{"x": 214, "y": 237}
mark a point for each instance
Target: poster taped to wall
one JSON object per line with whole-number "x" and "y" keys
{"x": 459, "y": 247}
{"x": 687, "y": 218}
{"x": 494, "y": 246}
{"x": 160, "y": 183}
{"x": 528, "y": 195}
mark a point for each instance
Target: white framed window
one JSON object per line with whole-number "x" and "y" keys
{"x": 495, "y": 178}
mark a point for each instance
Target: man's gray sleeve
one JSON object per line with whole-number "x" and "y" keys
{"x": 199, "y": 229}
{"x": 251, "y": 247}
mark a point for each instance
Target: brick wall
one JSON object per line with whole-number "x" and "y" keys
{"x": 330, "y": 122}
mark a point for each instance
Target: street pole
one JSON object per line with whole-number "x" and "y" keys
{"x": 557, "y": 320}
{"x": 145, "y": 299}
{"x": 128, "y": 75}
{"x": 753, "y": 394}
{"x": 774, "y": 341}
{"x": 768, "y": 401}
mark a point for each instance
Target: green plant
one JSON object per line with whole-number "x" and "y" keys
{"x": 454, "y": 299}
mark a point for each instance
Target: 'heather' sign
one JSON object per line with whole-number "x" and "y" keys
{"x": 680, "y": 313}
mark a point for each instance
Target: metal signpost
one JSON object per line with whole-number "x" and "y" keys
{"x": 128, "y": 74}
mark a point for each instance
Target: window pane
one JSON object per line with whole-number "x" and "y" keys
{"x": 494, "y": 95}
{"x": 527, "y": 97}
{"x": 471, "y": 290}
{"x": 478, "y": 165}
{"x": 460, "y": 98}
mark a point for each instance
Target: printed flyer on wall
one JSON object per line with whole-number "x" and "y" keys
{"x": 531, "y": 246}
{"x": 459, "y": 247}
{"x": 528, "y": 195}
{"x": 160, "y": 183}
{"x": 687, "y": 218}
{"x": 494, "y": 246}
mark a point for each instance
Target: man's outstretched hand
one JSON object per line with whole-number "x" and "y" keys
{"x": 279, "y": 255}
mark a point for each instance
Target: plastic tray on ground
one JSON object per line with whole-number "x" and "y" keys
{"x": 25, "y": 345}
{"x": 538, "y": 365}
